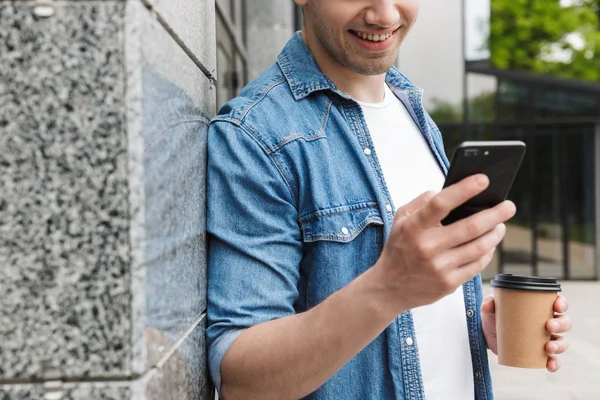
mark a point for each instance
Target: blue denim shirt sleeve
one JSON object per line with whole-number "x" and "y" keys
{"x": 254, "y": 241}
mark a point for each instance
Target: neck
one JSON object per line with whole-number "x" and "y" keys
{"x": 365, "y": 88}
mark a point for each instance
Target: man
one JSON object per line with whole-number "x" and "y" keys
{"x": 317, "y": 288}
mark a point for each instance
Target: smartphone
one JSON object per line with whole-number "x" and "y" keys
{"x": 499, "y": 160}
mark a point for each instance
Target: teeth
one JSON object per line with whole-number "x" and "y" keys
{"x": 374, "y": 38}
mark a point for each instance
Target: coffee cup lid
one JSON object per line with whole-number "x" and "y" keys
{"x": 510, "y": 281}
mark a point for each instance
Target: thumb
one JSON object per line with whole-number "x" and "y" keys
{"x": 488, "y": 306}
{"x": 414, "y": 205}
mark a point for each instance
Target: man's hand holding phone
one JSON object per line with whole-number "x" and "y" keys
{"x": 423, "y": 260}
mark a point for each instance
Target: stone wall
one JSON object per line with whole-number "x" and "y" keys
{"x": 103, "y": 114}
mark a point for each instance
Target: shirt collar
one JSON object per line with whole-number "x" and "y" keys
{"x": 305, "y": 77}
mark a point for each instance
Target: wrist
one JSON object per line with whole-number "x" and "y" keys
{"x": 382, "y": 296}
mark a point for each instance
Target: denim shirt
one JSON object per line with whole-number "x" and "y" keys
{"x": 297, "y": 210}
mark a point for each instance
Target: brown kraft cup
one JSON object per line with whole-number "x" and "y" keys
{"x": 524, "y": 304}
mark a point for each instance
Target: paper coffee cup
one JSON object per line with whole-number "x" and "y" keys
{"x": 524, "y": 304}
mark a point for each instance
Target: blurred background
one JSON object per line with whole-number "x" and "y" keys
{"x": 103, "y": 113}
{"x": 528, "y": 70}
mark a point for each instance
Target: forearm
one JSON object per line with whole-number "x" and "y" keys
{"x": 291, "y": 357}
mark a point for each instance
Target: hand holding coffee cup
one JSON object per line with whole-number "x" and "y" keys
{"x": 522, "y": 320}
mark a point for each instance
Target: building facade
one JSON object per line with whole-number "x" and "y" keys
{"x": 103, "y": 116}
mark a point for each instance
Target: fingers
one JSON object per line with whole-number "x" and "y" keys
{"x": 553, "y": 364}
{"x": 560, "y": 324}
{"x": 478, "y": 224}
{"x": 561, "y": 305}
{"x": 414, "y": 205}
{"x": 474, "y": 249}
{"x": 462, "y": 274}
{"x": 488, "y": 306}
{"x": 450, "y": 198}
{"x": 488, "y": 323}
{"x": 557, "y": 345}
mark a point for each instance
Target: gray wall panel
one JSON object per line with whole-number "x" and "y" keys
{"x": 184, "y": 375}
{"x": 193, "y": 21}
{"x": 84, "y": 391}
{"x": 171, "y": 102}
{"x": 103, "y": 119}
{"x": 21, "y": 392}
{"x": 103, "y": 391}
{"x": 64, "y": 252}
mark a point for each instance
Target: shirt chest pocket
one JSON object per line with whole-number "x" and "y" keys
{"x": 339, "y": 244}
{"x": 339, "y": 224}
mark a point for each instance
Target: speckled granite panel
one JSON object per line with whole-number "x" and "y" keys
{"x": 70, "y": 391}
{"x": 193, "y": 22}
{"x": 116, "y": 391}
{"x": 176, "y": 101}
{"x": 64, "y": 222}
{"x": 22, "y": 392}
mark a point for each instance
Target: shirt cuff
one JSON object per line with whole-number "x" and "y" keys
{"x": 217, "y": 351}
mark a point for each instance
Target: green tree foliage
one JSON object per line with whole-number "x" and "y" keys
{"x": 524, "y": 34}
{"x": 481, "y": 109}
{"x": 445, "y": 111}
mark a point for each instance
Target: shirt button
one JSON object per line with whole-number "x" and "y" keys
{"x": 388, "y": 208}
{"x": 470, "y": 313}
{"x": 367, "y": 151}
{"x": 409, "y": 341}
{"x": 478, "y": 375}
{"x": 345, "y": 231}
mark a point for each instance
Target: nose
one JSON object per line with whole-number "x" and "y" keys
{"x": 382, "y": 13}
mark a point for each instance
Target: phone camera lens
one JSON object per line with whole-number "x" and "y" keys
{"x": 471, "y": 153}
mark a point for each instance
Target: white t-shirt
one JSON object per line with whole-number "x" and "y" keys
{"x": 409, "y": 169}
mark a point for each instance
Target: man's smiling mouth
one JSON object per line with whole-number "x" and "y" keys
{"x": 374, "y": 37}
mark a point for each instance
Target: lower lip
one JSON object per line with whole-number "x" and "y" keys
{"x": 375, "y": 46}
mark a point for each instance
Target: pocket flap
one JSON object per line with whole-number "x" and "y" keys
{"x": 339, "y": 224}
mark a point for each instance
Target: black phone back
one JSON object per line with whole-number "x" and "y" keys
{"x": 500, "y": 161}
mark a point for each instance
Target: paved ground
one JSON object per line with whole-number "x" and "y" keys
{"x": 579, "y": 377}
